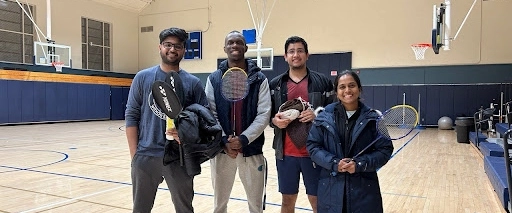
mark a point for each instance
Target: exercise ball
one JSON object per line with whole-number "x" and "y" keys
{"x": 445, "y": 123}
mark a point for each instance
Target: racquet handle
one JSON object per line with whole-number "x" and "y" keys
{"x": 169, "y": 125}
{"x": 361, "y": 152}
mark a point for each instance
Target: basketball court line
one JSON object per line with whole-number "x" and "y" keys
{"x": 269, "y": 150}
{"x": 72, "y": 200}
{"x": 21, "y": 169}
{"x": 107, "y": 181}
{"x": 401, "y": 147}
{"x": 104, "y": 180}
{"x": 403, "y": 195}
{"x": 405, "y": 144}
{"x": 56, "y": 142}
{"x": 124, "y": 184}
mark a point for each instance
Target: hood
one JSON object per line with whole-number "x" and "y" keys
{"x": 329, "y": 112}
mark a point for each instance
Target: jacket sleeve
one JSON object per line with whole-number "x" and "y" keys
{"x": 263, "y": 114}
{"x": 273, "y": 99}
{"x": 200, "y": 95}
{"x": 320, "y": 154}
{"x": 330, "y": 92}
{"x": 378, "y": 157}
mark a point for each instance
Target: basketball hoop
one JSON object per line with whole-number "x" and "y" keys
{"x": 58, "y": 66}
{"x": 419, "y": 50}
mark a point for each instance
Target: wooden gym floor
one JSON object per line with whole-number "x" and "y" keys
{"x": 85, "y": 167}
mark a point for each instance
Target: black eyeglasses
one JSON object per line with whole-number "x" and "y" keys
{"x": 298, "y": 51}
{"x": 169, "y": 45}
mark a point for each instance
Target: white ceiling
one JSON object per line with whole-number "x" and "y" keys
{"x": 130, "y": 5}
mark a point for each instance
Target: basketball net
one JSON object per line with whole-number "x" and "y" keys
{"x": 419, "y": 50}
{"x": 58, "y": 66}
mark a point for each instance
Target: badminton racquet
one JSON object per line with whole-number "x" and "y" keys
{"x": 234, "y": 88}
{"x": 395, "y": 123}
{"x": 166, "y": 99}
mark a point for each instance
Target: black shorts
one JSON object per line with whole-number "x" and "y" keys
{"x": 288, "y": 175}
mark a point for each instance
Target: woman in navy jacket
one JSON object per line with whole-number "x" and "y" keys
{"x": 342, "y": 130}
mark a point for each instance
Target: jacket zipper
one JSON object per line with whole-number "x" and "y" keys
{"x": 346, "y": 144}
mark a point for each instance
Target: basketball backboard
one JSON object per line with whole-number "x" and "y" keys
{"x": 260, "y": 11}
{"x": 46, "y": 53}
{"x": 439, "y": 31}
{"x": 441, "y": 25}
{"x": 266, "y": 57}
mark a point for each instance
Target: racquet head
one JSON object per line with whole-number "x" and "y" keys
{"x": 174, "y": 80}
{"x": 234, "y": 84}
{"x": 166, "y": 99}
{"x": 297, "y": 131}
{"x": 397, "y": 122}
{"x": 292, "y": 108}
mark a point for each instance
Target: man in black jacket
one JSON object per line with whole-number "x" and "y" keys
{"x": 292, "y": 157}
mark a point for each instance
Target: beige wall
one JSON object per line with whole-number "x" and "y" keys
{"x": 379, "y": 33}
{"x": 66, "y": 29}
{"x": 189, "y": 15}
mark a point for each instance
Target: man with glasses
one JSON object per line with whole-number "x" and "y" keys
{"x": 292, "y": 157}
{"x": 146, "y": 132}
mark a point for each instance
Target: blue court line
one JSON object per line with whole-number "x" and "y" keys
{"x": 66, "y": 156}
{"x": 245, "y": 200}
{"x": 405, "y": 144}
{"x": 65, "y": 175}
{"x": 124, "y": 183}
{"x": 166, "y": 189}
{"x": 399, "y": 149}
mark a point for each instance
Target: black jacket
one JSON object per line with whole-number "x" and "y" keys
{"x": 320, "y": 94}
{"x": 200, "y": 135}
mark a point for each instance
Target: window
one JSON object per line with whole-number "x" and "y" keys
{"x": 16, "y": 33}
{"x": 96, "y": 45}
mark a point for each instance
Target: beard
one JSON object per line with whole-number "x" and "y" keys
{"x": 165, "y": 59}
{"x": 298, "y": 67}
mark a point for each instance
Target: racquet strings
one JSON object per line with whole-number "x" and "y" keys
{"x": 397, "y": 122}
{"x": 234, "y": 84}
{"x": 234, "y": 88}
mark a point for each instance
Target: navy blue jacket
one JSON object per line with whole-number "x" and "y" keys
{"x": 325, "y": 149}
